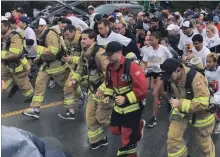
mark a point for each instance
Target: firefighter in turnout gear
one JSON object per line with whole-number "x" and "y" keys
{"x": 14, "y": 66}
{"x": 90, "y": 73}
{"x": 190, "y": 108}
{"x": 126, "y": 83}
{"x": 72, "y": 41}
{"x": 49, "y": 57}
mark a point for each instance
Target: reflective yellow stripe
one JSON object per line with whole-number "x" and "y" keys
{"x": 128, "y": 109}
{"x": 179, "y": 153}
{"x": 57, "y": 70}
{"x": 96, "y": 78}
{"x": 177, "y": 112}
{"x": 122, "y": 90}
{"x": 102, "y": 87}
{"x": 29, "y": 93}
{"x": 131, "y": 108}
{"x": 131, "y": 151}
{"x": 109, "y": 91}
{"x": 40, "y": 50}
{"x": 15, "y": 50}
{"x": 204, "y": 122}
{"x": 97, "y": 99}
{"x": 38, "y": 98}
{"x": 118, "y": 109}
{"x": 185, "y": 105}
{"x": 75, "y": 59}
{"x": 3, "y": 55}
{"x": 203, "y": 100}
{"x": 93, "y": 134}
{"x": 53, "y": 49}
{"x": 68, "y": 102}
{"x": 19, "y": 68}
{"x": 76, "y": 77}
{"x": 7, "y": 83}
{"x": 131, "y": 97}
{"x": 24, "y": 61}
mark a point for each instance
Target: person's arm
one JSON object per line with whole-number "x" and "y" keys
{"x": 168, "y": 53}
{"x": 144, "y": 61}
{"x": 180, "y": 47}
{"x": 139, "y": 85}
{"x": 83, "y": 24}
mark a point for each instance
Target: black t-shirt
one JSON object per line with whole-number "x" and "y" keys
{"x": 129, "y": 34}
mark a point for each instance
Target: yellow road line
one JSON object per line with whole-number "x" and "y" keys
{"x": 20, "y": 111}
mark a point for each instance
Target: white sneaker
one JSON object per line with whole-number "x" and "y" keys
{"x": 51, "y": 84}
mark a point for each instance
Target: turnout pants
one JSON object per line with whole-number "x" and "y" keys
{"x": 98, "y": 116}
{"x": 20, "y": 79}
{"x": 176, "y": 144}
{"x": 128, "y": 125}
{"x": 62, "y": 79}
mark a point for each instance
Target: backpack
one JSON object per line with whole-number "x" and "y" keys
{"x": 189, "y": 91}
{"x": 8, "y": 42}
{"x": 126, "y": 73}
{"x": 61, "y": 53}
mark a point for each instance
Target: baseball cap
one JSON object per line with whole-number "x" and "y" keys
{"x": 24, "y": 19}
{"x": 216, "y": 19}
{"x": 187, "y": 24}
{"x": 172, "y": 27}
{"x": 8, "y": 15}
{"x": 90, "y": 7}
{"x": 112, "y": 47}
{"x": 3, "y": 18}
{"x": 176, "y": 13}
{"x": 39, "y": 22}
{"x": 169, "y": 66}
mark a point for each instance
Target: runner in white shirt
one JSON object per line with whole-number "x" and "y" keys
{"x": 200, "y": 29}
{"x": 30, "y": 37}
{"x": 106, "y": 35}
{"x": 185, "y": 44}
{"x": 199, "y": 49}
{"x": 91, "y": 16}
{"x": 211, "y": 40}
{"x": 155, "y": 55}
{"x": 78, "y": 23}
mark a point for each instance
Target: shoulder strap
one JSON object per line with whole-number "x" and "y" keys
{"x": 45, "y": 34}
{"x": 127, "y": 65}
{"x": 189, "y": 79}
{"x": 95, "y": 50}
{"x": 16, "y": 33}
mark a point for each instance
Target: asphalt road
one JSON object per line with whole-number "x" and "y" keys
{"x": 73, "y": 134}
